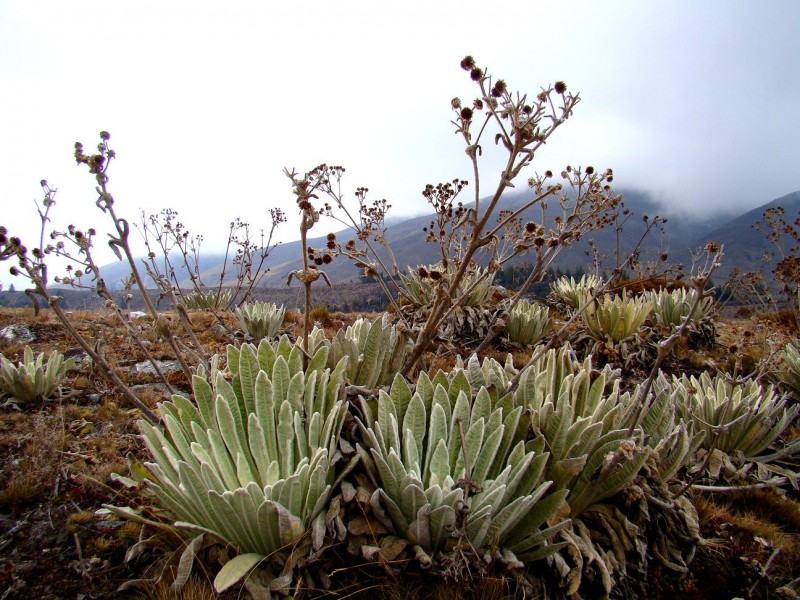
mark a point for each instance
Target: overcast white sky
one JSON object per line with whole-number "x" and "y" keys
{"x": 695, "y": 102}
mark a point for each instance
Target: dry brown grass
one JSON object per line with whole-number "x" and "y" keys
{"x": 33, "y": 460}
{"x": 195, "y": 589}
{"x": 754, "y": 524}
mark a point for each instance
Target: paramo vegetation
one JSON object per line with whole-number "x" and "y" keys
{"x": 590, "y": 444}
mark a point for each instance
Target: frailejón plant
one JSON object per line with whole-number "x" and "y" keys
{"x": 32, "y": 379}
{"x": 739, "y": 419}
{"x": 671, "y": 308}
{"x": 527, "y": 323}
{"x": 441, "y": 453}
{"x": 575, "y": 293}
{"x": 787, "y": 370}
{"x": 616, "y": 318}
{"x": 582, "y": 418}
{"x": 213, "y": 300}
{"x": 421, "y": 284}
{"x": 376, "y": 351}
{"x": 251, "y": 461}
{"x": 472, "y": 301}
{"x": 261, "y": 319}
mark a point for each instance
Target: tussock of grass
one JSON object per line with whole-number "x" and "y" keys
{"x": 753, "y": 524}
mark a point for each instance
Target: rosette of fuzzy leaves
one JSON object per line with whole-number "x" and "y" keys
{"x": 583, "y": 420}
{"x": 573, "y": 293}
{"x": 527, "y": 323}
{"x": 600, "y": 446}
{"x": 673, "y": 440}
{"x": 261, "y": 319}
{"x": 615, "y": 319}
{"x": 251, "y": 461}
{"x": 421, "y": 284}
{"x": 32, "y": 379}
{"x": 376, "y": 351}
{"x": 787, "y": 371}
{"x": 671, "y": 308}
{"x": 740, "y": 420}
{"x": 474, "y": 302}
{"x": 213, "y": 300}
{"x": 428, "y": 479}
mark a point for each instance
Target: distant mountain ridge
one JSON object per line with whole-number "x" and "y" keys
{"x": 744, "y": 247}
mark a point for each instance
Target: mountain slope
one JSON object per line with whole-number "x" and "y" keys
{"x": 744, "y": 246}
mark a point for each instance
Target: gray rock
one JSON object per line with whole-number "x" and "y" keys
{"x": 137, "y": 314}
{"x": 17, "y": 333}
{"x": 166, "y": 366}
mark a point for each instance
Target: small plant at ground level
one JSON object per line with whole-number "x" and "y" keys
{"x": 527, "y": 323}
{"x": 472, "y": 301}
{"x": 671, "y": 308}
{"x": 739, "y": 419}
{"x": 261, "y": 319}
{"x": 320, "y": 314}
{"x": 581, "y": 416}
{"x": 32, "y": 379}
{"x": 376, "y": 350}
{"x": 213, "y": 300}
{"x": 616, "y": 318}
{"x": 421, "y": 285}
{"x": 575, "y": 293}
{"x": 787, "y": 370}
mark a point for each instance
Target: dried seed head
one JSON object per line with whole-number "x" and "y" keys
{"x": 499, "y": 88}
{"x": 712, "y": 247}
{"x": 466, "y": 113}
{"x": 560, "y": 87}
{"x": 468, "y": 63}
{"x": 476, "y": 74}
